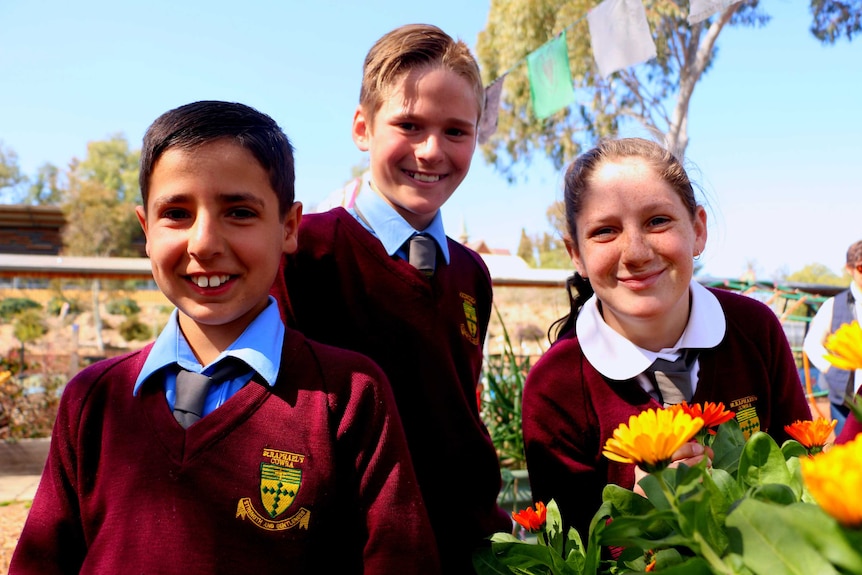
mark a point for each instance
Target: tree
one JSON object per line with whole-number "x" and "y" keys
{"x": 655, "y": 94}
{"x": 818, "y": 274}
{"x": 100, "y": 201}
{"x": 10, "y": 173}
{"x": 100, "y": 208}
{"x": 525, "y": 248}
{"x": 28, "y": 327}
{"x": 833, "y": 19}
{"x": 47, "y": 188}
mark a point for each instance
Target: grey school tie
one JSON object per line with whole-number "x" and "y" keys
{"x": 423, "y": 253}
{"x": 192, "y": 389}
{"x": 673, "y": 378}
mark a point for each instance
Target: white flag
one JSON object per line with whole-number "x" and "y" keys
{"x": 620, "y": 35}
{"x": 488, "y": 125}
{"x": 700, "y": 10}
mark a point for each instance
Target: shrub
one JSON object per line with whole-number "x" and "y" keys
{"x": 12, "y": 306}
{"x": 123, "y": 306}
{"x": 133, "y": 329}
{"x": 56, "y": 303}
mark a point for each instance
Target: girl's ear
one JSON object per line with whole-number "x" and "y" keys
{"x": 361, "y": 129}
{"x": 574, "y": 255}
{"x": 699, "y": 231}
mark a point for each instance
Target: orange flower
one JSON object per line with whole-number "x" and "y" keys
{"x": 712, "y": 414}
{"x": 813, "y": 435}
{"x": 845, "y": 347}
{"x": 833, "y": 478}
{"x": 532, "y": 520}
{"x": 651, "y": 437}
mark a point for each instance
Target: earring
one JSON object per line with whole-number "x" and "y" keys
{"x": 697, "y": 256}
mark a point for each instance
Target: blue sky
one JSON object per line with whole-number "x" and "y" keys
{"x": 774, "y": 126}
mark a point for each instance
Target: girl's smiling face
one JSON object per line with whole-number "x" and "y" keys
{"x": 635, "y": 241}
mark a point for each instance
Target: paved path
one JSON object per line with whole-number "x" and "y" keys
{"x": 18, "y": 487}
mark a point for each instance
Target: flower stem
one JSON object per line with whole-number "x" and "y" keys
{"x": 703, "y": 547}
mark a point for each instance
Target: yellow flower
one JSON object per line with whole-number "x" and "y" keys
{"x": 651, "y": 437}
{"x": 834, "y": 478}
{"x": 845, "y": 347}
{"x": 813, "y": 435}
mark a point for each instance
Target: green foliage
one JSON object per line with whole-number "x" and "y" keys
{"x": 818, "y": 274}
{"x": 100, "y": 199}
{"x": 655, "y": 94}
{"x": 10, "y": 174}
{"x": 833, "y": 19}
{"x": 504, "y": 377}
{"x": 12, "y": 306}
{"x": 525, "y": 249}
{"x": 56, "y": 303}
{"x": 132, "y": 329}
{"x": 123, "y": 306}
{"x": 29, "y": 325}
{"x": 749, "y": 513}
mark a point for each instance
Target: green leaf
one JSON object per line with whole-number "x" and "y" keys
{"x": 769, "y": 541}
{"x": 762, "y": 462}
{"x": 792, "y": 448}
{"x": 727, "y": 447}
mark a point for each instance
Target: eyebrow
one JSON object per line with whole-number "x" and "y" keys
{"x": 226, "y": 198}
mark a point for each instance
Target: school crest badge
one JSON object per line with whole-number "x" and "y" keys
{"x": 280, "y": 482}
{"x": 470, "y": 327}
{"x": 746, "y": 415}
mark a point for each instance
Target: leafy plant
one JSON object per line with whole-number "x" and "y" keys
{"x": 755, "y": 511}
{"x": 503, "y": 379}
{"x": 12, "y": 306}
{"x": 123, "y": 306}
{"x": 133, "y": 329}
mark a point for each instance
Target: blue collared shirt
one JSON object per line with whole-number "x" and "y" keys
{"x": 259, "y": 346}
{"x": 388, "y": 226}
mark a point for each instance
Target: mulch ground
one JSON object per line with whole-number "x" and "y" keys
{"x": 12, "y": 517}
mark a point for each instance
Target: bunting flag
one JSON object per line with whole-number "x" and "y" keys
{"x": 488, "y": 125}
{"x": 620, "y": 35}
{"x": 700, "y": 10}
{"x": 550, "y": 77}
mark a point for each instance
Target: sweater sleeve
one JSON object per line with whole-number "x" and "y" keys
{"x": 52, "y": 540}
{"x": 561, "y": 438}
{"x": 370, "y": 434}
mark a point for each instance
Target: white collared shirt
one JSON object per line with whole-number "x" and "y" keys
{"x": 615, "y": 357}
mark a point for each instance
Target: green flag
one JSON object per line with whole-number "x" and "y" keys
{"x": 550, "y": 77}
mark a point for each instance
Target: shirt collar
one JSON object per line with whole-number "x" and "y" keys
{"x": 617, "y": 358}
{"x": 391, "y": 229}
{"x": 259, "y": 346}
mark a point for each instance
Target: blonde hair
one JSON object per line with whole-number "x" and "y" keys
{"x": 410, "y": 47}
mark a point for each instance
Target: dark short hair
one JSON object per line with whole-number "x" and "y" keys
{"x": 854, "y": 254}
{"x": 192, "y": 125}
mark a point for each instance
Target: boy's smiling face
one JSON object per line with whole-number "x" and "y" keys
{"x": 421, "y": 141}
{"x": 215, "y": 237}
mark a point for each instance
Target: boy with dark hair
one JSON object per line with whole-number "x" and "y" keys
{"x": 360, "y": 279}
{"x": 281, "y": 453}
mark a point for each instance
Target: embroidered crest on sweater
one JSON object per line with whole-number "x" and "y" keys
{"x": 280, "y": 480}
{"x": 746, "y": 414}
{"x": 470, "y": 327}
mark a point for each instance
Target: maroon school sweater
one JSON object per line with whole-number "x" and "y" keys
{"x": 852, "y": 427}
{"x": 309, "y": 476}
{"x": 570, "y": 410}
{"x": 427, "y": 335}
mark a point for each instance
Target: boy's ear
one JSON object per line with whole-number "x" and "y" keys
{"x": 361, "y": 129}
{"x": 142, "y": 218}
{"x": 291, "y": 228}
